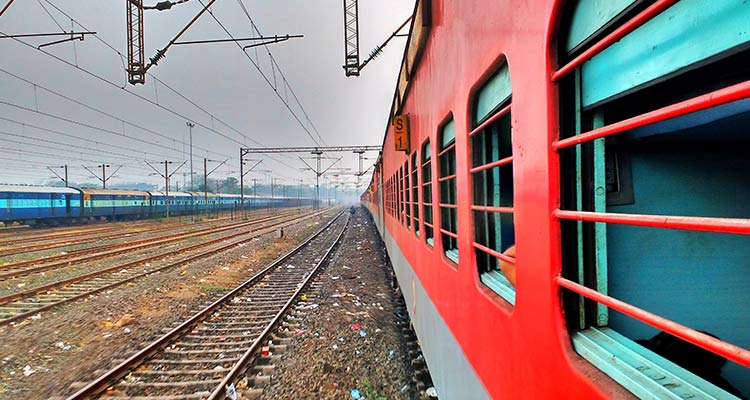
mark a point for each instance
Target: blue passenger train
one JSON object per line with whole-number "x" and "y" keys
{"x": 34, "y": 205}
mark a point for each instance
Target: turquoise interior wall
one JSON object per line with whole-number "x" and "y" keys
{"x": 698, "y": 279}
{"x": 685, "y": 34}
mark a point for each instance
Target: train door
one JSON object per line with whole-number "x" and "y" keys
{"x": 67, "y": 205}
{"x": 87, "y": 205}
{"x": 9, "y": 206}
{"x": 51, "y": 204}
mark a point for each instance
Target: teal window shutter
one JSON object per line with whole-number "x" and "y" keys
{"x": 494, "y": 92}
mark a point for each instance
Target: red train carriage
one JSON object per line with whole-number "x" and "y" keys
{"x": 605, "y": 142}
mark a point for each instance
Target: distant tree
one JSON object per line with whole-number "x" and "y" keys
{"x": 211, "y": 186}
{"x": 229, "y": 185}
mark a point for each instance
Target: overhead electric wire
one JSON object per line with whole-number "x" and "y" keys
{"x": 109, "y": 153}
{"x": 80, "y": 138}
{"x": 55, "y": 159}
{"x": 278, "y": 67}
{"x": 263, "y": 75}
{"x": 58, "y": 156}
{"x": 71, "y": 121}
{"x": 213, "y": 117}
{"x": 99, "y": 77}
{"x": 105, "y": 113}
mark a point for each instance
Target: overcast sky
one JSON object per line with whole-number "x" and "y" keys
{"x": 39, "y": 128}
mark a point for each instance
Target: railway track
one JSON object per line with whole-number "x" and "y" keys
{"x": 35, "y": 235}
{"x": 27, "y": 303}
{"x": 203, "y": 357}
{"x": 120, "y": 232}
{"x": 56, "y": 233}
{"x": 44, "y": 264}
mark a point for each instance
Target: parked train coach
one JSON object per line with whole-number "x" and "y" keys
{"x": 28, "y": 203}
{"x": 563, "y": 195}
{"x": 34, "y": 205}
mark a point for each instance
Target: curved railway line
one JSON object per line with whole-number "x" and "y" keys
{"x": 204, "y": 356}
{"x": 84, "y": 238}
{"x": 21, "y": 268}
{"x": 27, "y": 303}
{"x": 16, "y": 235}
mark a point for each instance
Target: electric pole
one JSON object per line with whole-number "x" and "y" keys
{"x": 206, "y": 173}
{"x": 243, "y": 153}
{"x": 61, "y": 178}
{"x": 190, "y": 126}
{"x": 104, "y": 178}
{"x": 166, "y": 175}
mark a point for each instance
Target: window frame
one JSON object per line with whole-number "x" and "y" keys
{"x": 415, "y": 192}
{"x": 497, "y": 283}
{"x": 407, "y": 194}
{"x": 567, "y": 76}
{"x": 444, "y": 152}
{"x": 427, "y": 187}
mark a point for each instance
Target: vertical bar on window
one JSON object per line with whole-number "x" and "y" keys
{"x": 579, "y": 200}
{"x": 600, "y": 228}
{"x": 494, "y": 133}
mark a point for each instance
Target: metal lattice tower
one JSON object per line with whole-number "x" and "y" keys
{"x": 351, "y": 37}
{"x": 136, "y": 58}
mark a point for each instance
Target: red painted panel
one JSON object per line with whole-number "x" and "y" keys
{"x": 522, "y": 351}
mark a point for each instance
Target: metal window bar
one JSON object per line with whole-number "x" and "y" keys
{"x": 629, "y": 26}
{"x": 499, "y": 114}
{"x": 427, "y": 211}
{"x": 741, "y": 226}
{"x": 447, "y": 200}
{"x": 710, "y": 343}
{"x": 407, "y": 194}
{"x": 447, "y": 178}
{"x": 448, "y": 233}
{"x": 499, "y": 163}
{"x": 482, "y": 127}
{"x": 740, "y": 91}
{"x": 494, "y": 253}
{"x": 504, "y": 210}
{"x": 415, "y": 193}
{"x": 447, "y": 149}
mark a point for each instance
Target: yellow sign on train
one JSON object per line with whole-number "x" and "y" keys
{"x": 401, "y": 132}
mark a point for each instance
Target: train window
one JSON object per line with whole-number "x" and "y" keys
{"x": 399, "y": 200}
{"x": 415, "y": 193}
{"x": 652, "y": 163}
{"x": 427, "y": 193}
{"x": 407, "y": 193}
{"x": 492, "y": 176}
{"x": 447, "y": 182}
{"x": 402, "y": 206}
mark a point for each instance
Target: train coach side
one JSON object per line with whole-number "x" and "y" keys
{"x": 563, "y": 217}
{"x": 28, "y": 204}
{"x": 115, "y": 203}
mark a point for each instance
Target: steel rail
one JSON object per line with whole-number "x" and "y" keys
{"x": 116, "y": 249}
{"x": 61, "y": 232}
{"x": 100, "y": 384}
{"x": 240, "y": 365}
{"x": 89, "y": 239}
{"x": 15, "y": 296}
{"x": 76, "y": 230}
{"x": 66, "y": 282}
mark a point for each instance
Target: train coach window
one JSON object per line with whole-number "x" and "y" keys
{"x": 427, "y": 193}
{"x": 407, "y": 194}
{"x": 492, "y": 176}
{"x": 653, "y": 162}
{"x": 447, "y": 182}
{"x": 399, "y": 214}
{"x": 415, "y": 192}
